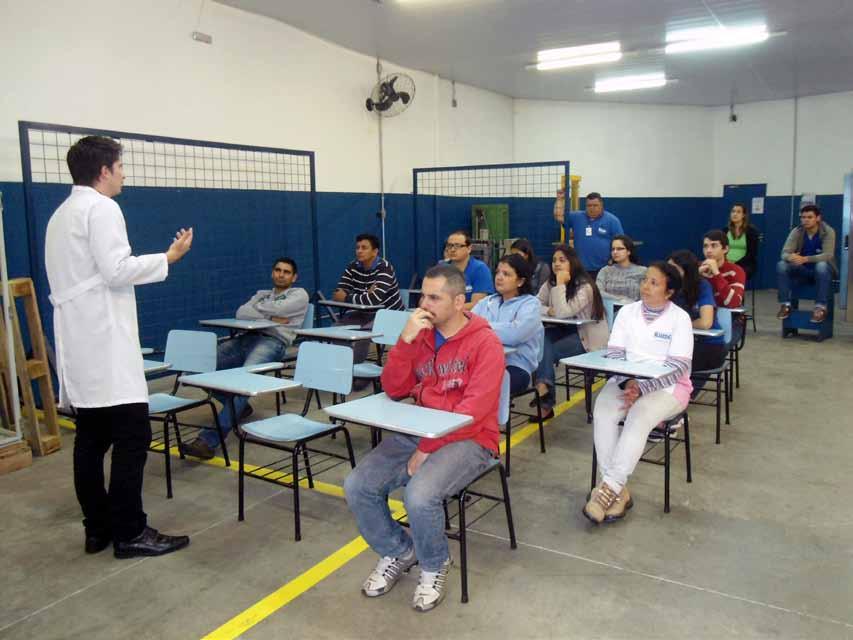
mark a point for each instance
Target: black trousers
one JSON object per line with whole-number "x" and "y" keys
{"x": 116, "y": 512}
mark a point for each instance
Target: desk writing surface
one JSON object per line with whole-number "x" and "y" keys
{"x": 350, "y": 305}
{"x": 595, "y": 361}
{"x": 238, "y": 382}
{"x": 235, "y": 323}
{"x": 708, "y": 333}
{"x": 337, "y": 333}
{"x": 569, "y": 322}
{"x": 379, "y": 410}
{"x": 153, "y": 366}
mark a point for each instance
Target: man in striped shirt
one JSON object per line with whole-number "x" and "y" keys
{"x": 368, "y": 280}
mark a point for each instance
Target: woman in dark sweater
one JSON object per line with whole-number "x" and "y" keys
{"x": 743, "y": 240}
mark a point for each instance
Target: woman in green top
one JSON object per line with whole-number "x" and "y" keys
{"x": 743, "y": 240}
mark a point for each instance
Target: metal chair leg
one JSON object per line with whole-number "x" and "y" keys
{"x": 295, "y": 463}
{"x": 594, "y": 469}
{"x": 463, "y": 546}
{"x": 219, "y": 429}
{"x": 513, "y": 544}
{"x": 178, "y": 440}
{"x": 541, "y": 423}
{"x": 666, "y": 458}
{"x": 308, "y": 473}
{"x": 687, "y": 447}
{"x": 240, "y": 478}
{"x": 718, "y": 410}
{"x": 508, "y": 444}
{"x": 167, "y": 455}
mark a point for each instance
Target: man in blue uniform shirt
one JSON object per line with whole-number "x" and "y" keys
{"x": 478, "y": 276}
{"x": 593, "y": 231}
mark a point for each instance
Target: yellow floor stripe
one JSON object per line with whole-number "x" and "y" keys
{"x": 247, "y": 619}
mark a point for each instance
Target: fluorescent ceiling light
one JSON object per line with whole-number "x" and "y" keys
{"x": 704, "y": 38}
{"x": 629, "y": 83}
{"x": 579, "y": 61}
{"x": 575, "y": 52}
{"x": 578, "y": 56}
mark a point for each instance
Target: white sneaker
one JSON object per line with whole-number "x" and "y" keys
{"x": 431, "y": 588}
{"x": 388, "y": 570}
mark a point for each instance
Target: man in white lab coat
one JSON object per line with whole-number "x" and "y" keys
{"x": 92, "y": 274}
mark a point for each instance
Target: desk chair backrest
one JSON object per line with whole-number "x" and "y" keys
{"x": 610, "y": 311}
{"x": 324, "y": 367}
{"x": 390, "y": 324}
{"x": 308, "y": 320}
{"x": 191, "y": 351}
{"x": 503, "y": 405}
{"x": 724, "y": 319}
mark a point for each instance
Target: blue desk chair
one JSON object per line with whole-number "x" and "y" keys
{"x": 319, "y": 367}
{"x": 670, "y": 442}
{"x": 468, "y": 497}
{"x": 610, "y": 311}
{"x": 800, "y": 320}
{"x": 507, "y": 424}
{"x": 721, "y": 375}
{"x": 187, "y": 352}
{"x": 390, "y": 324}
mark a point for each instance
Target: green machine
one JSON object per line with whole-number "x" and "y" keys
{"x": 489, "y": 228}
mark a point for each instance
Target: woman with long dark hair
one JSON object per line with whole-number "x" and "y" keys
{"x": 622, "y": 277}
{"x": 540, "y": 271}
{"x": 513, "y": 313}
{"x": 569, "y": 293}
{"x": 743, "y": 240}
{"x": 697, "y": 299}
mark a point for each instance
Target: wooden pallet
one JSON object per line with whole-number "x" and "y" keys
{"x": 15, "y": 456}
{"x": 43, "y": 436}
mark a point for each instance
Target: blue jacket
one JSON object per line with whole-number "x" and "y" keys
{"x": 517, "y": 323}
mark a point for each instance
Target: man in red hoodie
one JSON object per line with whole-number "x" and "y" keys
{"x": 445, "y": 359}
{"x": 726, "y": 278}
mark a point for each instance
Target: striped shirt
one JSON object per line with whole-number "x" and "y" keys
{"x": 376, "y": 286}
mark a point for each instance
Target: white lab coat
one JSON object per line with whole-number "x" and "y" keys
{"x": 91, "y": 273}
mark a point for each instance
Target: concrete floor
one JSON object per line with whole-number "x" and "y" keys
{"x": 759, "y": 545}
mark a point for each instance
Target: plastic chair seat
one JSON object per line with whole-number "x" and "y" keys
{"x": 165, "y": 403}
{"x": 289, "y": 427}
{"x": 366, "y": 370}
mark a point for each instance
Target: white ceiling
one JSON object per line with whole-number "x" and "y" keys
{"x": 488, "y": 43}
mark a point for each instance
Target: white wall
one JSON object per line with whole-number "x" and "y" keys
{"x": 131, "y": 66}
{"x": 759, "y": 146}
{"x": 621, "y": 150}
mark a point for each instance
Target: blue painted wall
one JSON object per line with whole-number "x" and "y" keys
{"x": 239, "y": 233}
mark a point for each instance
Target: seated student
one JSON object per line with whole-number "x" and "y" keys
{"x": 809, "y": 257}
{"x": 514, "y": 315}
{"x": 743, "y": 240}
{"x": 697, "y": 298}
{"x": 478, "y": 278}
{"x": 622, "y": 277}
{"x": 652, "y": 329}
{"x": 569, "y": 293}
{"x": 727, "y": 279}
{"x": 284, "y": 304}
{"x": 541, "y": 270}
{"x": 368, "y": 280}
{"x": 446, "y": 358}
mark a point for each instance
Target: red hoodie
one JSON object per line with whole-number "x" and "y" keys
{"x": 463, "y": 376}
{"x": 729, "y": 285}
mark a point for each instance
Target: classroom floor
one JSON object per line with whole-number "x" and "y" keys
{"x": 759, "y": 545}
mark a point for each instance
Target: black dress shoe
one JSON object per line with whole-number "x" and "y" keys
{"x": 149, "y": 543}
{"x": 198, "y": 448}
{"x": 97, "y": 543}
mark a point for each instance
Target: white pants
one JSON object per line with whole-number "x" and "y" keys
{"x": 618, "y": 453}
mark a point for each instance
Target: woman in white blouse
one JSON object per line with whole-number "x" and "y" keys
{"x": 653, "y": 329}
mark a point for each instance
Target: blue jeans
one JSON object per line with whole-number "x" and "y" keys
{"x": 560, "y": 342}
{"x": 246, "y": 349}
{"x": 383, "y": 470}
{"x": 817, "y": 273}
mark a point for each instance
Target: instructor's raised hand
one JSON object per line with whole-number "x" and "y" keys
{"x": 180, "y": 245}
